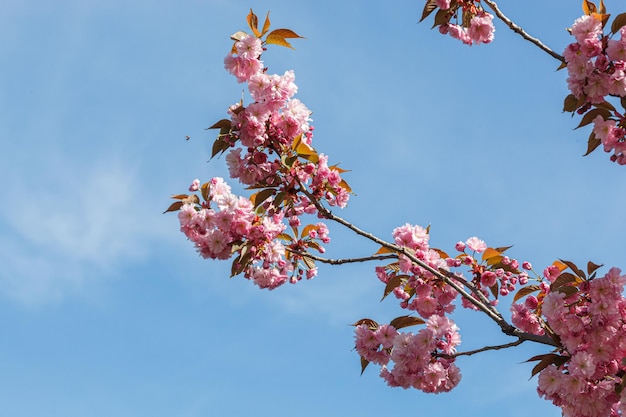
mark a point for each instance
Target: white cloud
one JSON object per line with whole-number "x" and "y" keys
{"x": 78, "y": 224}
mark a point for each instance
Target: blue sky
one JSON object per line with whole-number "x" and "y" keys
{"x": 106, "y": 308}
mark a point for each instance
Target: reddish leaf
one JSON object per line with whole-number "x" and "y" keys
{"x": 364, "y": 363}
{"x": 441, "y": 18}
{"x": 564, "y": 279}
{"x": 258, "y": 198}
{"x": 490, "y": 253}
{"x": 618, "y": 22}
{"x": 307, "y": 229}
{"x": 253, "y": 22}
{"x": 204, "y": 189}
{"x": 280, "y": 36}
{"x": 574, "y": 268}
{"x": 175, "y": 206}
{"x": 394, "y": 281}
{"x": 570, "y": 104}
{"x": 547, "y": 360}
{"x": 592, "y": 114}
{"x": 406, "y": 321}
{"x": 429, "y": 7}
{"x": 266, "y": 24}
{"x": 180, "y": 196}
{"x": 524, "y": 291}
{"x": 383, "y": 250}
{"x": 371, "y": 324}
{"x": 591, "y": 267}
{"x": 589, "y": 7}
{"x": 219, "y": 146}
{"x": 592, "y": 143}
{"x": 222, "y": 124}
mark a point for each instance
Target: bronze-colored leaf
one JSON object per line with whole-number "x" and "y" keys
{"x": 490, "y": 253}
{"x": 266, "y": 24}
{"x": 406, "y": 321}
{"x": 592, "y": 114}
{"x": 180, "y": 196}
{"x": 564, "y": 279}
{"x": 503, "y": 249}
{"x": 442, "y": 254}
{"x": 602, "y": 7}
{"x": 371, "y": 324}
{"x": 605, "y": 105}
{"x": 429, "y": 7}
{"x": 258, "y": 198}
{"x": 204, "y": 189}
{"x": 309, "y": 262}
{"x": 394, "y": 281}
{"x": 343, "y": 184}
{"x": 253, "y": 22}
{"x": 618, "y": 22}
{"x": 278, "y": 200}
{"x": 591, "y": 267}
{"x": 285, "y": 237}
{"x": 383, "y": 250}
{"x": 567, "y": 290}
{"x": 589, "y": 7}
{"x": 175, "y": 206}
{"x": 307, "y": 229}
{"x": 570, "y": 104}
{"x": 219, "y": 147}
{"x": 364, "y": 363}
{"x": 547, "y": 360}
{"x": 280, "y": 36}
{"x": 592, "y": 143}
{"x": 524, "y": 291}
{"x": 442, "y": 17}
{"x": 574, "y": 268}
{"x": 224, "y": 123}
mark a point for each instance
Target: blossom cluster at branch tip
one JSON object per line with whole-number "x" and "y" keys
{"x": 596, "y": 67}
{"x": 477, "y": 24}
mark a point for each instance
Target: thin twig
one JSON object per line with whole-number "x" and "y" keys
{"x": 342, "y": 261}
{"x": 483, "y": 349}
{"x": 515, "y": 28}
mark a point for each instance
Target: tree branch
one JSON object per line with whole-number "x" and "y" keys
{"x": 343, "y": 261}
{"x": 515, "y": 28}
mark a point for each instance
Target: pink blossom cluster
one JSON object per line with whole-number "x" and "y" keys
{"x": 224, "y": 221}
{"x": 493, "y": 273}
{"x": 225, "y": 224}
{"x": 276, "y": 158}
{"x": 269, "y": 130}
{"x": 420, "y": 290}
{"x": 588, "y": 318}
{"x": 480, "y": 29}
{"x": 596, "y": 67}
{"x": 419, "y": 360}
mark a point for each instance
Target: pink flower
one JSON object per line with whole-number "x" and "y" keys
{"x": 443, "y": 4}
{"x": 476, "y": 244}
{"x": 241, "y": 67}
{"x": 249, "y": 47}
{"x": 481, "y": 29}
{"x": 586, "y": 27}
{"x": 488, "y": 279}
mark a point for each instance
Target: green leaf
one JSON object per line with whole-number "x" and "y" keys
{"x": 429, "y": 7}
{"x": 280, "y": 36}
{"x": 524, "y": 291}
{"x": 406, "y": 321}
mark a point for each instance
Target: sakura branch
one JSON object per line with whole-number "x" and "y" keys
{"x": 515, "y": 28}
{"x": 270, "y": 235}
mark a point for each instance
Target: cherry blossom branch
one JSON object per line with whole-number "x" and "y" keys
{"x": 515, "y": 28}
{"x": 446, "y": 276}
